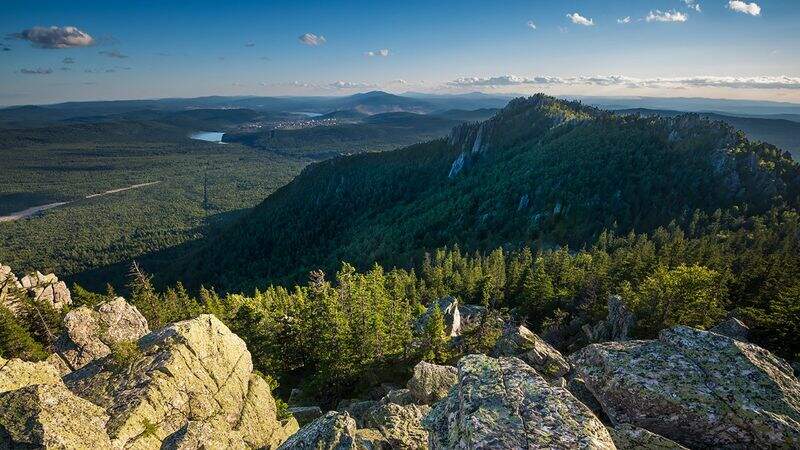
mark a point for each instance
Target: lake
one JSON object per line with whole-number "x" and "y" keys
{"x": 209, "y": 136}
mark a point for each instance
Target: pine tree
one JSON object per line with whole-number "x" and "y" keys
{"x": 434, "y": 340}
{"x": 15, "y": 341}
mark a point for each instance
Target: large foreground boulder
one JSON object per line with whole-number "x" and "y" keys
{"x": 527, "y": 346}
{"x": 503, "y": 404}
{"x": 698, "y": 388}
{"x": 50, "y": 416}
{"x": 431, "y": 382}
{"x": 190, "y": 371}
{"x": 90, "y": 334}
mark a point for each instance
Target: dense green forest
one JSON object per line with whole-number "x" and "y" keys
{"x": 89, "y": 234}
{"x": 547, "y": 173}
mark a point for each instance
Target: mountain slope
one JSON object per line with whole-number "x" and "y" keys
{"x": 780, "y": 132}
{"x": 541, "y": 170}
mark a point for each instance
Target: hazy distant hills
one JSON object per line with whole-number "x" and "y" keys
{"x": 541, "y": 170}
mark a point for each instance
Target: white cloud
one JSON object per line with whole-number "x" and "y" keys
{"x": 765, "y": 82}
{"x": 311, "y": 39}
{"x": 350, "y": 85}
{"x": 743, "y": 7}
{"x": 666, "y": 16}
{"x": 578, "y": 19}
{"x": 384, "y": 52}
{"x": 54, "y": 37}
{"x": 692, "y": 4}
{"x": 624, "y": 20}
{"x": 530, "y": 25}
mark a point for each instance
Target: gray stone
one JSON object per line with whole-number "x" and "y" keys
{"x": 51, "y": 417}
{"x": 400, "y": 425}
{"x": 628, "y": 437}
{"x": 431, "y": 382}
{"x": 305, "y": 414}
{"x": 333, "y": 431}
{"x": 698, "y": 388}
{"x": 733, "y": 328}
{"x": 504, "y": 404}
{"x": 616, "y": 326}
{"x": 16, "y": 374}
{"x": 90, "y": 334}
{"x": 195, "y": 370}
{"x": 527, "y": 346}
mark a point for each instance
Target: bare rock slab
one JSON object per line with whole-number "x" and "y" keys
{"x": 505, "y": 404}
{"x": 698, "y": 388}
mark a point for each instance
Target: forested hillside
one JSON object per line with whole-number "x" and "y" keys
{"x": 542, "y": 172}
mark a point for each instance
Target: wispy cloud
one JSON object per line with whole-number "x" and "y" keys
{"x": 624, "y": 20}
{"x": 384, "y": 52}
{"x": 312, "y": 39}
{"x": 54, "y": 37}
{"x": 692, "y": 4}
{"x": 765, "y": 82}
{"x": 37, "y": 71}
{"x": 666, "y": 16}
{"x": 113, "y": 54}
{"x": 249, "y": 44}
{"x": 578, "y": 19}
{"x": 530, "y": 25}
{"x": 351, "y": 85}
{"x": 743, "y": 7}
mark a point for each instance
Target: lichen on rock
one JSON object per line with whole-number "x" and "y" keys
{"x": 505, "y": 403}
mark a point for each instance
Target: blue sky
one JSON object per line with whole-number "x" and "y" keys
{"x": 146, "y": 49}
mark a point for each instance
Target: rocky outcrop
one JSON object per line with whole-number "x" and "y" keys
{"x": 90, "y": 334}
{"x": 357, "y": 409}
{"x": 333, "y": 431}
{"x": 627, "y": 437}
{"x": 397, "y": 396}
{"x": 504, "y": 403}
{"x": 527, "y": 346}
{"x": 204, "y": 436}
{"x": 16, "y": 374}
{"x": 305, "y": 414}
{"x": 190, "y": 371}
{"x": 40, "y": 287}
{"x": 456, "y": 316}
{"x": 617, "y": 325}
{"x": 733, "y": 328}
{"x": 431, "y": 382}
{"x": 400, "y": 426}
{"x": 698, "y": 388}
{"x": 50, "y": 416}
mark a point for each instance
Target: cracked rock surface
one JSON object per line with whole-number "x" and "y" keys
{"x": 191, "y": 371}
{"x": 504, "y": 403}
{"x": 698, "y": 388}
